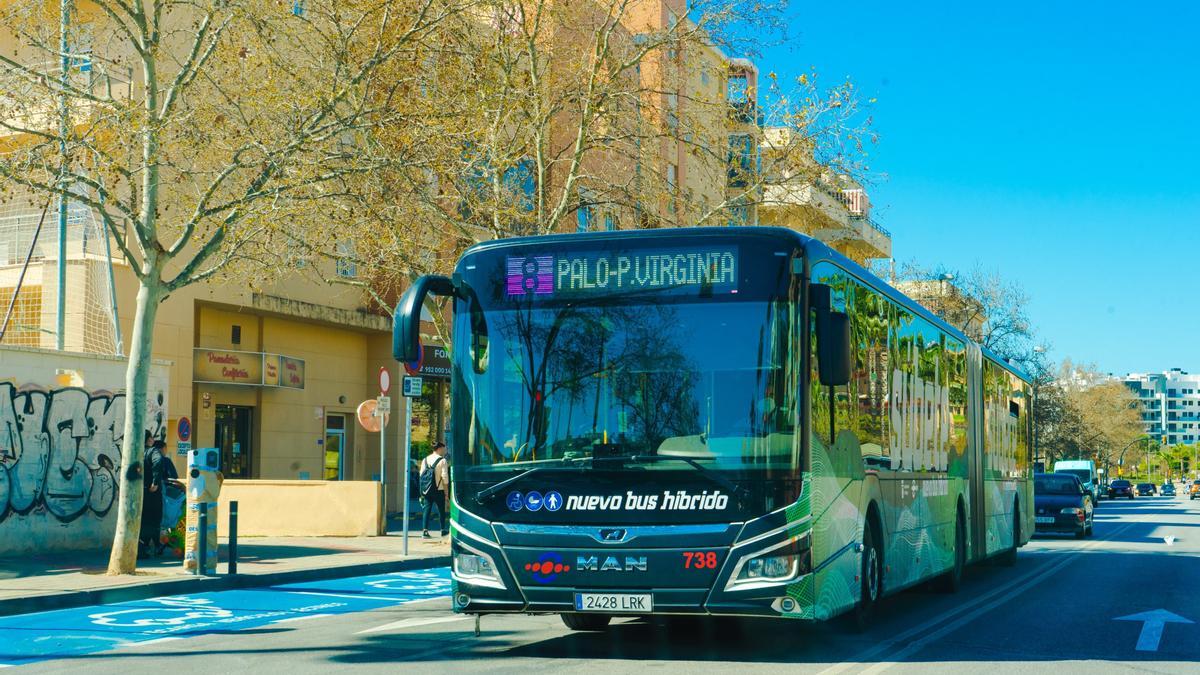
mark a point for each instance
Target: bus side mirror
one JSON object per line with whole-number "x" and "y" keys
{"x": 833, "y": 348}
{"x": 406, "y": 321}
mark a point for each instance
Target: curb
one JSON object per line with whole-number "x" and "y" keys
{"x": 154, "y": 589}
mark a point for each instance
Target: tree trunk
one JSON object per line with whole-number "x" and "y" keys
{"x": 123, "y": 559}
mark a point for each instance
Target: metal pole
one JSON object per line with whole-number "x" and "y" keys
{"x": 12, "y": 302}
{"x": 383, "y": 469}
{"x": 64, "y": 128}
{"x": 407, "y": 462}
{"x": 119, "y": 347}
{"x": 201, "y": 568}
{"x": 233, "y": 537}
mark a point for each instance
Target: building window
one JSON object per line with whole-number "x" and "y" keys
{"x": 610, "y": 221}
{"x": 743, "y": 159}
{"x": 299, "y": 7}
{"x": 583, "y": 214}
{"x": 346, "y": 266}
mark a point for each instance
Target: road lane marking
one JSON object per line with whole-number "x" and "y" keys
{"x": 412, "y": 623}
{"x": 1152, "y": 627}
{"x": 353, "y": 596}
{"x": 148, "y": 642}
{"x": 1029, "y": 581}
{"x": 301, "y": 618}
{"x": 879, "y": 648}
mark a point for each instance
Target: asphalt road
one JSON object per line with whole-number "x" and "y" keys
{"x": 1059, "y": 609}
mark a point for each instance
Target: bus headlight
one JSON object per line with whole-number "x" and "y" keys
{"x": 778, "y": 564}
{"x": 769, "y": 568}
{"x": 473, "y": 566}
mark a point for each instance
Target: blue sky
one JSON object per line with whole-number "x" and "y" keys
{"x": 1054, "y": 142}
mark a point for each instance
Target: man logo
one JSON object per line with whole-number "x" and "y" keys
{"x": 610, "y": 564}
{"x": 612, "y": 535}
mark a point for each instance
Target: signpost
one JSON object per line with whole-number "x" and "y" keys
{"x": 184, "y": 433}
{"x": 412, "y": 387}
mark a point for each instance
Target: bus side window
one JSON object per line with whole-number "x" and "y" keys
{"x": 869, "y": 333}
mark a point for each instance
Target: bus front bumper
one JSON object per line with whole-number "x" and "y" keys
{"x": 492, "y": 578}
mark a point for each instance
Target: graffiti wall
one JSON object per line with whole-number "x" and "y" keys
{"x": 62, "y": 420}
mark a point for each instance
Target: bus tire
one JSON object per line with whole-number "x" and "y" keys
{"x": 870, "y": 578}
{"x": 951, "y": 581}
{"x": 591, "y": 622}
{"x": 1009, "y": 557}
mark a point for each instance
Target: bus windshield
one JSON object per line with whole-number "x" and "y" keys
{"x": 689, "y": 380}
{"x": 700, "y": 372}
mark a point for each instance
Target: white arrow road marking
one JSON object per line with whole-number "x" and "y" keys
{"x": 411, "y": 623}
{"x": 1152, "y": 627}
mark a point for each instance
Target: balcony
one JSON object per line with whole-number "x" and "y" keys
{"x": 825, "y": 212}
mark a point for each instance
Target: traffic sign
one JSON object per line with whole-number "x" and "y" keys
{"x": 414, "y": 367}
{"x": 383, "y": 405}
{"x": 412, "y": 387}
{"x": 385, "y": 380}
{"x": 184, "y": 430}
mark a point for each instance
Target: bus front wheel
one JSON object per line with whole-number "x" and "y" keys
{"x": 586, "y": 621}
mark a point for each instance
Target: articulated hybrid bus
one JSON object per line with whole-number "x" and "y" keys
{"x": 724, "y": 421}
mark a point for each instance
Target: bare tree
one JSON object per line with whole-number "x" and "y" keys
{"x": 241, "y": 121}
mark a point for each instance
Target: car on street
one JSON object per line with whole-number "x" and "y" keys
{"x": 1061, "y": 504}
{"x": 1120, "y": 488}
{"x": 1146, "y": 489}
{"x": 1194, "y": 493}
{"x": 1167, "y": 490}
{"x": 1085, "y": 471}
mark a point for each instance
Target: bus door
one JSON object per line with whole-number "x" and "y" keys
{"x": 977, "y": 507}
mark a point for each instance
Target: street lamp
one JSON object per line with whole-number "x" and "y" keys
{"x": 1037, "y": 379}
{"x": 1121, "y": 459}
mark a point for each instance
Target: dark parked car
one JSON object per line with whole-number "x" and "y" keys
{"x": 1120, "y": 488}
{"x": 1061, "y": 504}
{"x": 1144, "y": 489}
{"x": 1167, "y": 490}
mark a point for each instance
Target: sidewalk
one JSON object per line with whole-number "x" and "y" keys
{"x": 34, "y": 583}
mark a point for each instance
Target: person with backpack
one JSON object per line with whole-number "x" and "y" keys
{"x": 435, "y": 479}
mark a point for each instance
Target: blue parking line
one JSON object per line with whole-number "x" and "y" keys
{"x": 42, "y": 636}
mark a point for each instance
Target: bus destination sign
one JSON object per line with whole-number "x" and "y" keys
{"x": 599, "y": 272}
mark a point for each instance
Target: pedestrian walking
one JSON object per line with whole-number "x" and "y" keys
{"x": 435, "y": 481}
{"x": 152, "y": 499}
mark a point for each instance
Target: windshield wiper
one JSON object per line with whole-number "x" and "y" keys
{"x": 735, "y": 490}
{"x": 493, "y": 490}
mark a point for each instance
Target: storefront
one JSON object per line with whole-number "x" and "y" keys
{"x": 278, "y": 396}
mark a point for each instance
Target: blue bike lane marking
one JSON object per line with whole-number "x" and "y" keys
{"x": 42, "y": 636}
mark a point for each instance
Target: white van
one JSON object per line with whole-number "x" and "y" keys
{"x": 1085, "y": 470}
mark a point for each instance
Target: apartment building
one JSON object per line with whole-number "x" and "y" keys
{"x": 1169, "y": 404}
{"x": 801, "y": 194}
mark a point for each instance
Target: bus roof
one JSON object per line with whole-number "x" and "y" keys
{"x": 814, "y": 249}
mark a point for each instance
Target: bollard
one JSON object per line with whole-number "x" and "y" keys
{"x": 203, "y": 566}
{"x": 232, "y": 537}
